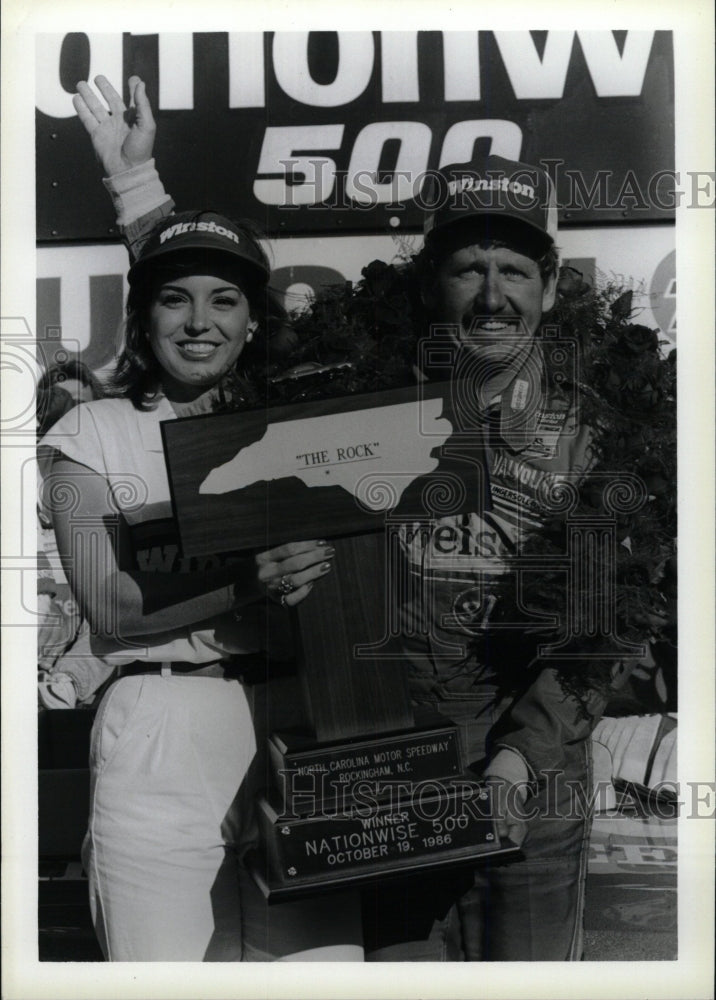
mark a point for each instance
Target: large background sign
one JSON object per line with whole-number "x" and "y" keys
{"x": 309, "y": 132}
{"x": 319, "y": 135}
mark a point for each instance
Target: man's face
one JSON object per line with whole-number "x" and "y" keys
{"x": 493, "y": 294}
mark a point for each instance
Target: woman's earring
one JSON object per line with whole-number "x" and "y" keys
{"x": 250, "y": 331}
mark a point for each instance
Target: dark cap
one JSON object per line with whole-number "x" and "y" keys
{"x": 491, "y": 186}
{"x": 205, "y": 232}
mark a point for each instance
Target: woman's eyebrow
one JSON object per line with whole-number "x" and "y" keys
{"x": 181, "y": 288}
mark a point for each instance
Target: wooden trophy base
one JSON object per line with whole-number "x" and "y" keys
{"x": 346, "y": 813}
{"x": 433, "y": 825}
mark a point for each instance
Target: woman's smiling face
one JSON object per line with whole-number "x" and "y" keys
{"x": 197, "y": 329}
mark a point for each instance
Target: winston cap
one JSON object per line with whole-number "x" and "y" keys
{"x": 204, "y": 232}
{"x": 491, "y": 186}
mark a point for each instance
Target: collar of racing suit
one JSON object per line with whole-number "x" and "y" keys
{"x": 515, "y": 399}
{"x": 521, "y": 399}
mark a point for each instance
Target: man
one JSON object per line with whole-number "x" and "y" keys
{"x": 489, "y": 271}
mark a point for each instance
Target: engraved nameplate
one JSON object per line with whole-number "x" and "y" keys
{"x": 437, "y": 824}
{"x": 328, "y": 773}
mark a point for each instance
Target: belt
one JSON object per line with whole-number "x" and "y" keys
{"x": 249, "y": 668}
{"x": 138, "y": 667}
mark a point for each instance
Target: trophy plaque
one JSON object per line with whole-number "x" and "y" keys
{"x": 361, "y": 788}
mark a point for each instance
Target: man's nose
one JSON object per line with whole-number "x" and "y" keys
{"x": 491, "y": 297}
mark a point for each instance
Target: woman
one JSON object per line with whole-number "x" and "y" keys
{"x": 176, "y": 746}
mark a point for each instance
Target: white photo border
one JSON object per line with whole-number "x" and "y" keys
{"x": 691, "y": 976}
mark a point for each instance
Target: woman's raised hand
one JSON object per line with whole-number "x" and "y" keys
{"x": 122, "y": 137}
{"x": 289, "y": 571}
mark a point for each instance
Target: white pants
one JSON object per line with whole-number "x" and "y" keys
{"x": 170, "y": 814}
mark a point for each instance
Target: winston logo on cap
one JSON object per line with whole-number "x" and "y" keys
{"x": 203, "y": 227}
{"x": 494, "y": 184}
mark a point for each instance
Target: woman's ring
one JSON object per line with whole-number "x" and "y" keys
{"x": 285, "y": 586}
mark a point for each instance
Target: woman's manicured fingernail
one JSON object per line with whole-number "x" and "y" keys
{"x": 325, "y": 567}
{"x": 330, "y": 551}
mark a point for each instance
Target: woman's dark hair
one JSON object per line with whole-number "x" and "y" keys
{"x": 137, "y": 375}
